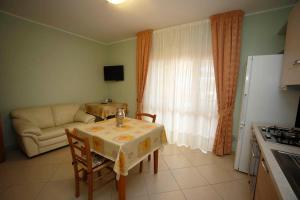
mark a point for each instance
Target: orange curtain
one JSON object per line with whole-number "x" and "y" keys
{"x": 144, "y": 41}
{"x": 226, "y": 40}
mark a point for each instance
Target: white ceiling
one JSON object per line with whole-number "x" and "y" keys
{"x": 105, "y": 22}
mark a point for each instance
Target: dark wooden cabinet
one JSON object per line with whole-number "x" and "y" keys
{"x": 265, "y": 188}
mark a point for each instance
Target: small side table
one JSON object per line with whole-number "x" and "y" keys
{"x": 105, "y": 110}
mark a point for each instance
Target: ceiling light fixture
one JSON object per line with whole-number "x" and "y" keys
{"x": 116, "y": 1}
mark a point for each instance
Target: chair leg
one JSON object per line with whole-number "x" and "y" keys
{"x": 77, "y": 179}
{"x": 141, "y": 166}
{"x": 149, "y": 157}
{"x": 155, "y": 161}
{"x": 84, "y": 175}
{"x": 99, "y": 173}
{"x": 90, "y": 186}
{"x": 117, "y": 184}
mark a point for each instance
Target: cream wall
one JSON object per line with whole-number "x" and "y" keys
{"x": 40, "y": 65}
{"x": 123, "y": 53}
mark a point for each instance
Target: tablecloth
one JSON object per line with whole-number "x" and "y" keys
{"x": 126, "y": 145}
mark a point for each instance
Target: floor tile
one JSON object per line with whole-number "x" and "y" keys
{"x": 14, "y": 158}
{"x": 225, "y": 162}
{"x": 3, "y": 188}
{"x": 26, "y": 174}
{"x": 235, "y": 190}
{"x": 201, "y": 193}
{"x": 215, "y": 174}
{"x": 39, "y": 172}
{"x": 50, "y": 176}
{"x": 63, "y": 171}
{"x": 184, "y": 149}
{"x": 142, "y": 197}
{"x": 199, "y": 158}
{"x": 174, "y": 195}
{"x": 238, "y": 174}
{"x": 188, "y": 177}
{"x": 176, "y": 161}
{"x": 102, "y": 191}
{"x": 62, "y": 155}
{"x": 59, "y": 190}
{"x": 24, "y": 192}
{"x": 13, "y": 175}
{"x": 160, "y": 182}
{"x": 136, "y": 185}
{"x": 15, "y": 155}
{"x": 148, "y": 167}
{"x": 170, "y": 149}
{"x": 65, "y": 190}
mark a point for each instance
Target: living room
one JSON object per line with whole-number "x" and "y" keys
{"x": 46, "y": 59}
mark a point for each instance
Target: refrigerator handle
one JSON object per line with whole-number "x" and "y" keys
{"x": 248, "y": 75}
{"x": 242, "y": 124}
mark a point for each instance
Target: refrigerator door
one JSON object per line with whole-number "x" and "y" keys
{"x": 242, "y": 129}
{"x": 263, "y": 101}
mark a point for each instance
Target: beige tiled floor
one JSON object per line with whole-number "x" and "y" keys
{"x": 184, "y": 174}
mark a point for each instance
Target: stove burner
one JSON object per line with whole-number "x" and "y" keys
{"x": 281, "y": 135}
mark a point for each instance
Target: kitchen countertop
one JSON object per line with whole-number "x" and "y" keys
{"x": 282, "y": 184}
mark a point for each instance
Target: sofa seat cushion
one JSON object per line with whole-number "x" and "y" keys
{"x": 64, "y": 113}
{"x": 72, "y": 125}
{"x": 49, "y": 133}
{"x": 53, "y": 141}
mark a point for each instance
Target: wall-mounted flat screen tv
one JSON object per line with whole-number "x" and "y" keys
{"x": 114, "y": 73}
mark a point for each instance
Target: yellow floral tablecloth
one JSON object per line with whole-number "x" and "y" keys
{"x": 126, "y": 145}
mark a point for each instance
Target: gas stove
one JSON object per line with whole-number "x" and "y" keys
{"x": 288, "y": 136}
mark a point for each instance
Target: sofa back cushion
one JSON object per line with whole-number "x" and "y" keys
{"x": 64, "y": 113}
{"x": 39, "y": 116}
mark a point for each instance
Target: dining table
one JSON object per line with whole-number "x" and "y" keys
{"x": 126, "y": 145}
{"x": 104, "y": 110}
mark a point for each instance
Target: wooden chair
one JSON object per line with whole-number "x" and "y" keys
{"x": 140, "y": 116}
{"x": 88, "y": 162}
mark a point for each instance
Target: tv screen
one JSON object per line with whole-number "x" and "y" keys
{"x": 114, "y": 73}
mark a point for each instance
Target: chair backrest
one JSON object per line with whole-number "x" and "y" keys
{"x": 80, "y": 149}
{"x": 141, "y": 115}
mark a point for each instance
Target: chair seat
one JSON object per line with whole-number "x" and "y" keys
{"x": 100, "y": 160}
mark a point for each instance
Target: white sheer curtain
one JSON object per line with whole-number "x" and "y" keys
{"x": 180, "y": 86}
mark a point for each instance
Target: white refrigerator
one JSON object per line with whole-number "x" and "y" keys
{"x": 263, "y": 101}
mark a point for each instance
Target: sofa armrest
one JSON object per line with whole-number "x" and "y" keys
{"x": 24, "y": 127}
{"x": 81, "y": 116}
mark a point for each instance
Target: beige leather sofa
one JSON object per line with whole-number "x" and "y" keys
{"x": 41, "y": 129}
